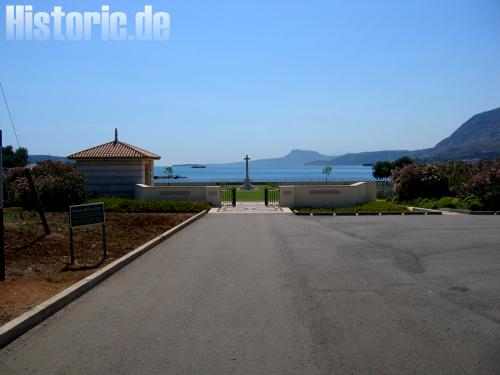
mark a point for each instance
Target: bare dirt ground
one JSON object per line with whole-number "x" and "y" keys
{"x": 37, "y": 265}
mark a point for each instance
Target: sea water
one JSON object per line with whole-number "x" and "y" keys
{"x": 268, "y": 173}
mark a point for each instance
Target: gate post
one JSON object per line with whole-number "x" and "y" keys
{"x": 234, "y": 196}
{"x": 266, "y": 196}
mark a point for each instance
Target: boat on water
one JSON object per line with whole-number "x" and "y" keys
{"x": 367, "y": 164}
{"x": 198, "y": 166}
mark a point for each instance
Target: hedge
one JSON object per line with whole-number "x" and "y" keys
{"x": 150, "y": 206}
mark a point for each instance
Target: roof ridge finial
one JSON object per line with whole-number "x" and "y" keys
{"x": 116, "y": 135}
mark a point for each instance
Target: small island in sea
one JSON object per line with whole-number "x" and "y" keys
{"x": 191, "y": 165}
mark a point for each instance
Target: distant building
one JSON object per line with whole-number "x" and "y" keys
{"x": 114, "y": 168}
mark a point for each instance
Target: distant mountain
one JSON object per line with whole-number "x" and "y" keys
{"x": 363, "y": 157}
{"x": 477, "y": 138}
{"x": 33, "y": 159}
{"x": 294, "y": 157}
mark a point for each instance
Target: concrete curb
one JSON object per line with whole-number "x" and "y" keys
{"x": 23, "y": 323}
{"x": 428, "y": 211}
{"x": 368, "y": 213}
{"x": 469, "y": 212}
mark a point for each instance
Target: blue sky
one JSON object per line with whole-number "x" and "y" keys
{"x": 259, "y": 77}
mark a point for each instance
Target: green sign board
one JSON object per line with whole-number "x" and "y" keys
{"x": 86, "y": 214}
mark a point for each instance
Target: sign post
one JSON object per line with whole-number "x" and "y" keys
{"x": 83, "y": 215}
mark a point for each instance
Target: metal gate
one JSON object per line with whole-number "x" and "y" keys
{"x": 272, "y": 196}
{"x": 228, "y": 196}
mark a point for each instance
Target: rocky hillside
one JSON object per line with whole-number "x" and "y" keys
{"x": 477, "y": 138}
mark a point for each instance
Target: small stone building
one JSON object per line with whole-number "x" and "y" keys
{"x": 114, "y": 168}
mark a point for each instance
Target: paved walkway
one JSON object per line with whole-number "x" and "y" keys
{"x": 283, "y": 294}
{"x": 251, "y": 208}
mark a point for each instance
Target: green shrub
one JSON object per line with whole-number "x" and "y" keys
{"x": 458, "y": 173}
{"x": 374, "y": 206}
{"x": 379, "y": 205}
{"x": 447, "y": 202}
{"x": 151, "y": 206}
{"x": 471, "y": 203}
{"x": 58, "y": 185}
{"x": 434, "y": 204}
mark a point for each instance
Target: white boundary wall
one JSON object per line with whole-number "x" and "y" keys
{"x": 327, "y": 195}
{"x": 210, "y": 194}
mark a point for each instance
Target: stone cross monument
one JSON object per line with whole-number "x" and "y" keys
{"x": 247, "y": 185}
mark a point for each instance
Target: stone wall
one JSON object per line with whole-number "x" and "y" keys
{"x": 327, "y": 195}
{"x": 210, "y": 194}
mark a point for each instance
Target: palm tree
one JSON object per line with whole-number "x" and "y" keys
{"x": 326, "y": 171}
{"x": 169, "y": 171}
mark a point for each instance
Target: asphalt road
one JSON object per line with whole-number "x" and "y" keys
{"x": 284, "y": 294}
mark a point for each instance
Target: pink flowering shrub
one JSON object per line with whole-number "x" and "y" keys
{"x": 476, "y": 184}
{"x": 58, "y": 185}
{"x": 420, "y": 181}
{"x": 485, "y": 184}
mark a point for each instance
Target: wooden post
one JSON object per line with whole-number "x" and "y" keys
{"x": 36, "y": 198}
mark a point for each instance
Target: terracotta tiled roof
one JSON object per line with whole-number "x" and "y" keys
{"x": 114, "y": 150}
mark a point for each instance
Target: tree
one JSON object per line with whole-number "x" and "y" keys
{"x": 169, "y": 171}
{"x": 327, "y": 171}
{"x": 402, "y": 161}
{"x": 382, "y": 169}
{"x": 12, "y": 159}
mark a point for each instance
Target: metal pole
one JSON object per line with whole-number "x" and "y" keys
{"x": 103, "y": 242}
{"x": 71, "y": 250}
{"x": 2, "y": 244}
